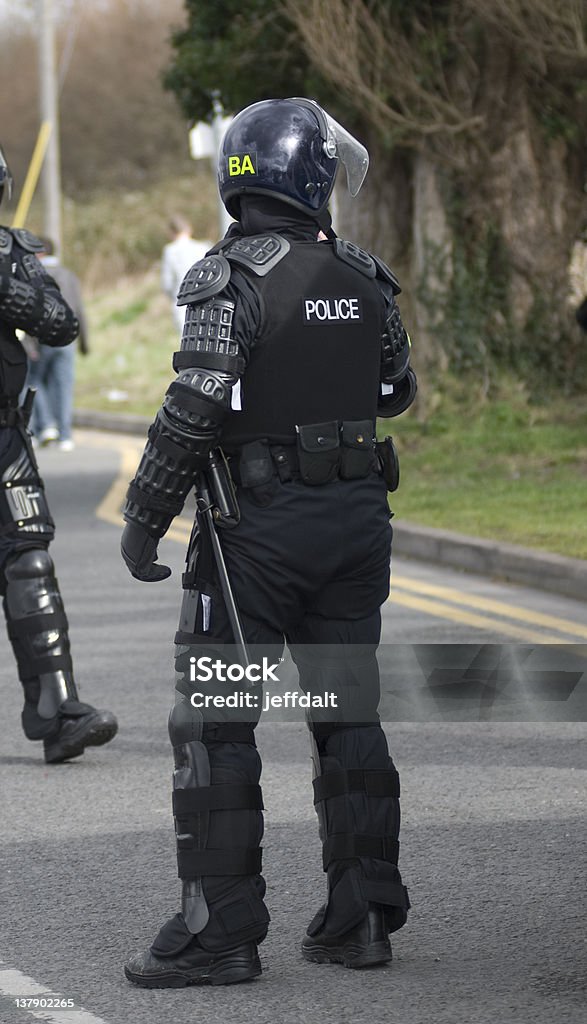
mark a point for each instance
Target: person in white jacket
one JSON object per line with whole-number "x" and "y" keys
{"x": 177, "y": 258}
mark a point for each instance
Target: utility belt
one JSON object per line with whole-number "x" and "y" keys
{"x": 323, "y": 452}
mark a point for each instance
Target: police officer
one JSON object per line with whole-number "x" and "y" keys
{"x": 292, "y": 345}
{"x": 30, "y": 301}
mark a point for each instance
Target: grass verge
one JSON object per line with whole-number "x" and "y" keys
{"x": 499, "y": 468}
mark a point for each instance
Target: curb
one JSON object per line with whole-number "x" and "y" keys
{"x": 511, "y": 562}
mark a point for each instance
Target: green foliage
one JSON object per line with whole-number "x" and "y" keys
{"x": 239, "y": 51}
{"x": 469, "y": 307}
{"x": 472, "y": 312}
{"x": 125, "y": 316}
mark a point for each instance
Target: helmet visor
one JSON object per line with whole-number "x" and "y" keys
{"x": 5, "y": 176}
{"x": 337, "y": 142}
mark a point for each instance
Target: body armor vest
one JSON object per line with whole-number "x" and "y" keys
{"x": 317, "y": 354}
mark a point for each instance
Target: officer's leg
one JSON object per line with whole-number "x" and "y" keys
{"x": 356, "y": 792}
{"x": 35, "y": 616}
{"x": 217, "y": 807}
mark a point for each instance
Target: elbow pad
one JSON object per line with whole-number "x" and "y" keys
{"x": 186, "y": 428}
{"x": 40, "y": 313}
{"x": 396, "y": 398}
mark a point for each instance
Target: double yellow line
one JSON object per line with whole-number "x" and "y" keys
{"x": 441, "y": 602}
{"x": 463, "y": 607}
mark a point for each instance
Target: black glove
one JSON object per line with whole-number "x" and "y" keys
{"x": 139, "y": 550}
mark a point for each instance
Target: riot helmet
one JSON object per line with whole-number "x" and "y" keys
{"x": 290, "y": 149}
{"x": 5, "y": 176}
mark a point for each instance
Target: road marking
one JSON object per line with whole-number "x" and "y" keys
{"x": 441, "y": 611}
{"x": 16, "y": 985}
{"x": 509, "y": 611}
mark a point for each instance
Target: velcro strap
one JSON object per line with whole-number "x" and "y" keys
{"x": 187, "y": 358}
{"x": 378, "y": 782}
{"x": 25, "y": 481}
{"x": 153, "y": 503}
{"x": 166, "y": 446}
{"x": 34, "y": 624}
{"x": 229, "y": 732}
{"x": 186, "y": 399}
{"x": 223, "y": 797}
{"x": 391, "y": 894}
{"x": 46, "y": 665}
{"x": 195, "y": 863}
{"x": 26, "y": 521}
{"x": 344, "y": 846}
{"x": 183, "y": 639}
{"x": 190, "y": 580}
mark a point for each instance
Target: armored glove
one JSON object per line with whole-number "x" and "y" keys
{"x": 139, "y": 550}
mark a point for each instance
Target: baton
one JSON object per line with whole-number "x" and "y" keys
{"x": 206, "y": 508}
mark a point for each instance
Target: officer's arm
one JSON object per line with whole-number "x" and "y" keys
{"x": 397, "y": 381}
{"x": 221, "y": 319}
{"x": 30, "y": 300}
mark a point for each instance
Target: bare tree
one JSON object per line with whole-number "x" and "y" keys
{"x": 475, "y": 110}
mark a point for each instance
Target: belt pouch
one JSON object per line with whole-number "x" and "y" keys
{"x": 318, "y": 452}
{"x": 357, "y": 454}
{"x": 256, "y": 471}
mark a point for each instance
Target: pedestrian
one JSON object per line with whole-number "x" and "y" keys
{"x": 52, "y": 371}
{"x": 292, "y": 346}
{"x": 177, "y": 258}
{"x": 30, "y": 301}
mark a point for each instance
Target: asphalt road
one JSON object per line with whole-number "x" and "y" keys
{"x": 493, "y": 833}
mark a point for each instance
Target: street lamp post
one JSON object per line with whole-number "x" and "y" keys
{"x": 51, "y": 175}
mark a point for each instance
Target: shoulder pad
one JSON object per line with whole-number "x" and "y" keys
{"x": 5, "y": 241}
{"x": 27, "y": 241}
{"x": 386, "y": 274}
{"x": 350, "y": 253}
{"x": 259, "y": 253}
{"x": 207, "y": 277}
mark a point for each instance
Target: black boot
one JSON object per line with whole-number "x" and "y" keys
{"x": 364, "y": 945}
{"x": 194, "y": 965}
{"x": 78, "y": 726}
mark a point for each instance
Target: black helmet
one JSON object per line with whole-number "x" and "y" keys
{"x": 5, "y": 176}
{"x": 289, "y": 149}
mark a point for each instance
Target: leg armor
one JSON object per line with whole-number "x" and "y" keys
{"x": 356, "y": 785}
{"x": 217, "y": 801}
{"x": 35, "y": 616}
{"x": 37, "y": 627}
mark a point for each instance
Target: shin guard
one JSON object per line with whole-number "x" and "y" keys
{"x": 356, "y": 794}
{"x": 38, "y": 631}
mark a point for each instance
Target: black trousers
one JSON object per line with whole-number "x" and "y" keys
{"x": 311, "y": 569}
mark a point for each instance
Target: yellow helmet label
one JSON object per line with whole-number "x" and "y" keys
{"x": 242, "y": 163}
